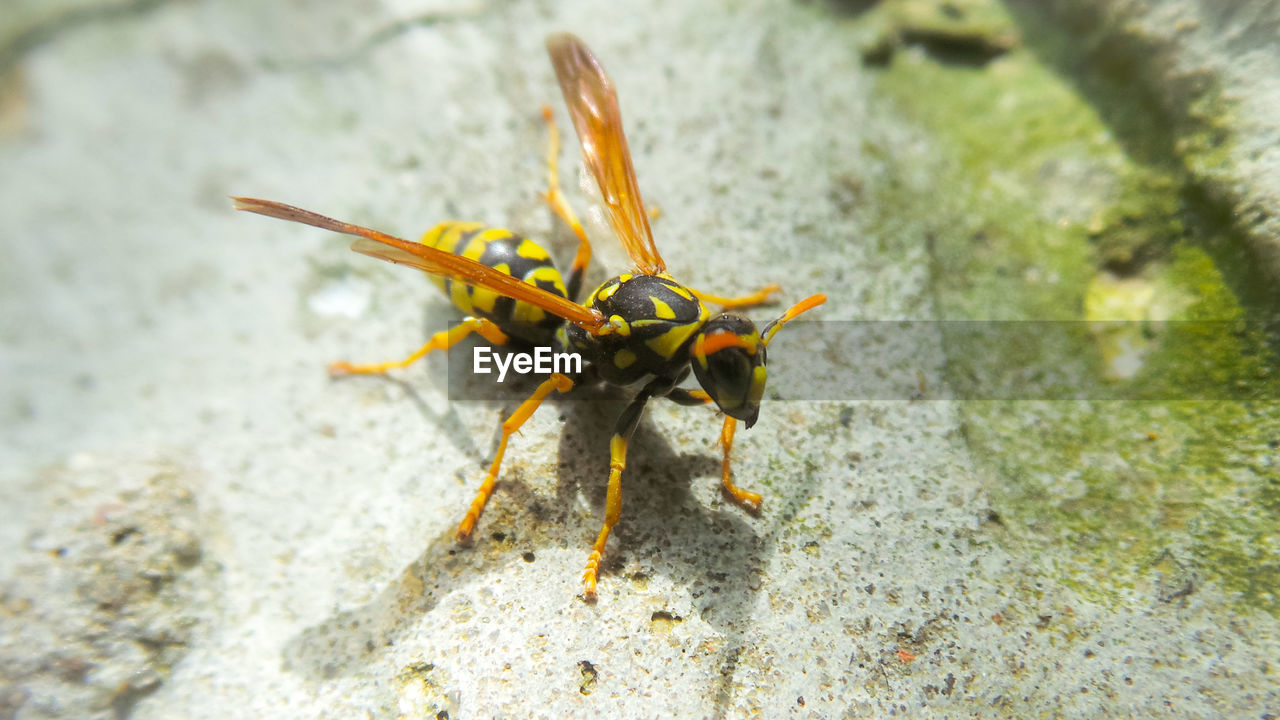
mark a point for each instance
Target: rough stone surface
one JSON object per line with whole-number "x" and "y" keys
{"x": 99, "y": 604}
{"x": 1212, "y": 69}
{"x": 141, "y": 318}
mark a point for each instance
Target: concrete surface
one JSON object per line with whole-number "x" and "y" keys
{"x": 197, "y": 522}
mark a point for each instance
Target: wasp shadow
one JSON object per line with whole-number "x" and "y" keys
{"x": 347, "y": 641}
{"x": 713, "y": 550}
{"x": 664, "y": 531}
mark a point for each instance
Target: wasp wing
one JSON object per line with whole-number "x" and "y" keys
{"x": 593, "y": 105}
{"x": 437, "y": 262}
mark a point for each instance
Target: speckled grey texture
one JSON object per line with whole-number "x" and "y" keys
{"x": 100, "y": 605}
{"x": 141, "y": 318}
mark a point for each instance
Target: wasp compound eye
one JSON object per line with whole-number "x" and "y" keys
{"x": 729, "y": 362}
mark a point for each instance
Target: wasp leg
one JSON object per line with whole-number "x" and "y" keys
{"x": 747, "y": 499}
{"x": 690, "y": 398}
{"x": 440, "y": 341}
{"x": 626, "y": 425}
{"x": 558, "y": 382}
{"x": 560, "y": 206}
{"x": 727, "y": 303}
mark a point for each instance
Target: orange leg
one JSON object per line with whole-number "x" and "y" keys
{"x": 612, "y": 512}
{"x": 727, "y": 303}
{"x": 747, "y": 499}
{"x": 627, "y": 423}
{"x": 442, "y": 340}
{"x": 558, "y": 382}
{"x": 560, "y": 206}
{"x": 680, "y": 396}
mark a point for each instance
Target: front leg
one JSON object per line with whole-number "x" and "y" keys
{"x": 750, "y": 501}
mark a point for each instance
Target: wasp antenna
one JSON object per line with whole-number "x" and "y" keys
{"x": 803, "y": 306}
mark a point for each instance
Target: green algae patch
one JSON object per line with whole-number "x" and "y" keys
{"x": 1140, "y": 462}
{"x": 1011, "y": 136}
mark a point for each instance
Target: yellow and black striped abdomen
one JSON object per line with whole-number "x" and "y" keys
{"x": 505, "y": 252}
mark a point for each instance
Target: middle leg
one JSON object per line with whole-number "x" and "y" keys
{"x": 728, "y": 303}
{"x": 622, "y": 432}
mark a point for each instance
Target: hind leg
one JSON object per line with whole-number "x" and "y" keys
{"x": 555, "y": 198}
{"x": 557, "y": 382}
{"x": 440, "y": 341}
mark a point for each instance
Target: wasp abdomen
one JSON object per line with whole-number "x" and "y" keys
{"x": 508, "y": 253}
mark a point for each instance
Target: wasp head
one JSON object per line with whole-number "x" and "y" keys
{"x": 729, "y": 359}
{"x": 729, "y": 362}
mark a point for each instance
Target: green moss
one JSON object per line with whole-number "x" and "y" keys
{"x": 999, "y": 125}
{"x": 1046, "y": 205}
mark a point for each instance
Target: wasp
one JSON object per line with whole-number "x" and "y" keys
{"x": 640, "y": 328}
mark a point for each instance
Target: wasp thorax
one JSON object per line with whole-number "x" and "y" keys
{"x": 729, "y": 362}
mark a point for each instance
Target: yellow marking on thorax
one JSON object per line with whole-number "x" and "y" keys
{"x": 623, "y": 359}
{"x": 668, "y": 343}
{"x": 649, "y": 322}
{"x": 676, "y": 287}
{"x": 661, "y": 309}
{"x": 604, "y": 292}
{"x": 620, "y": 325}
